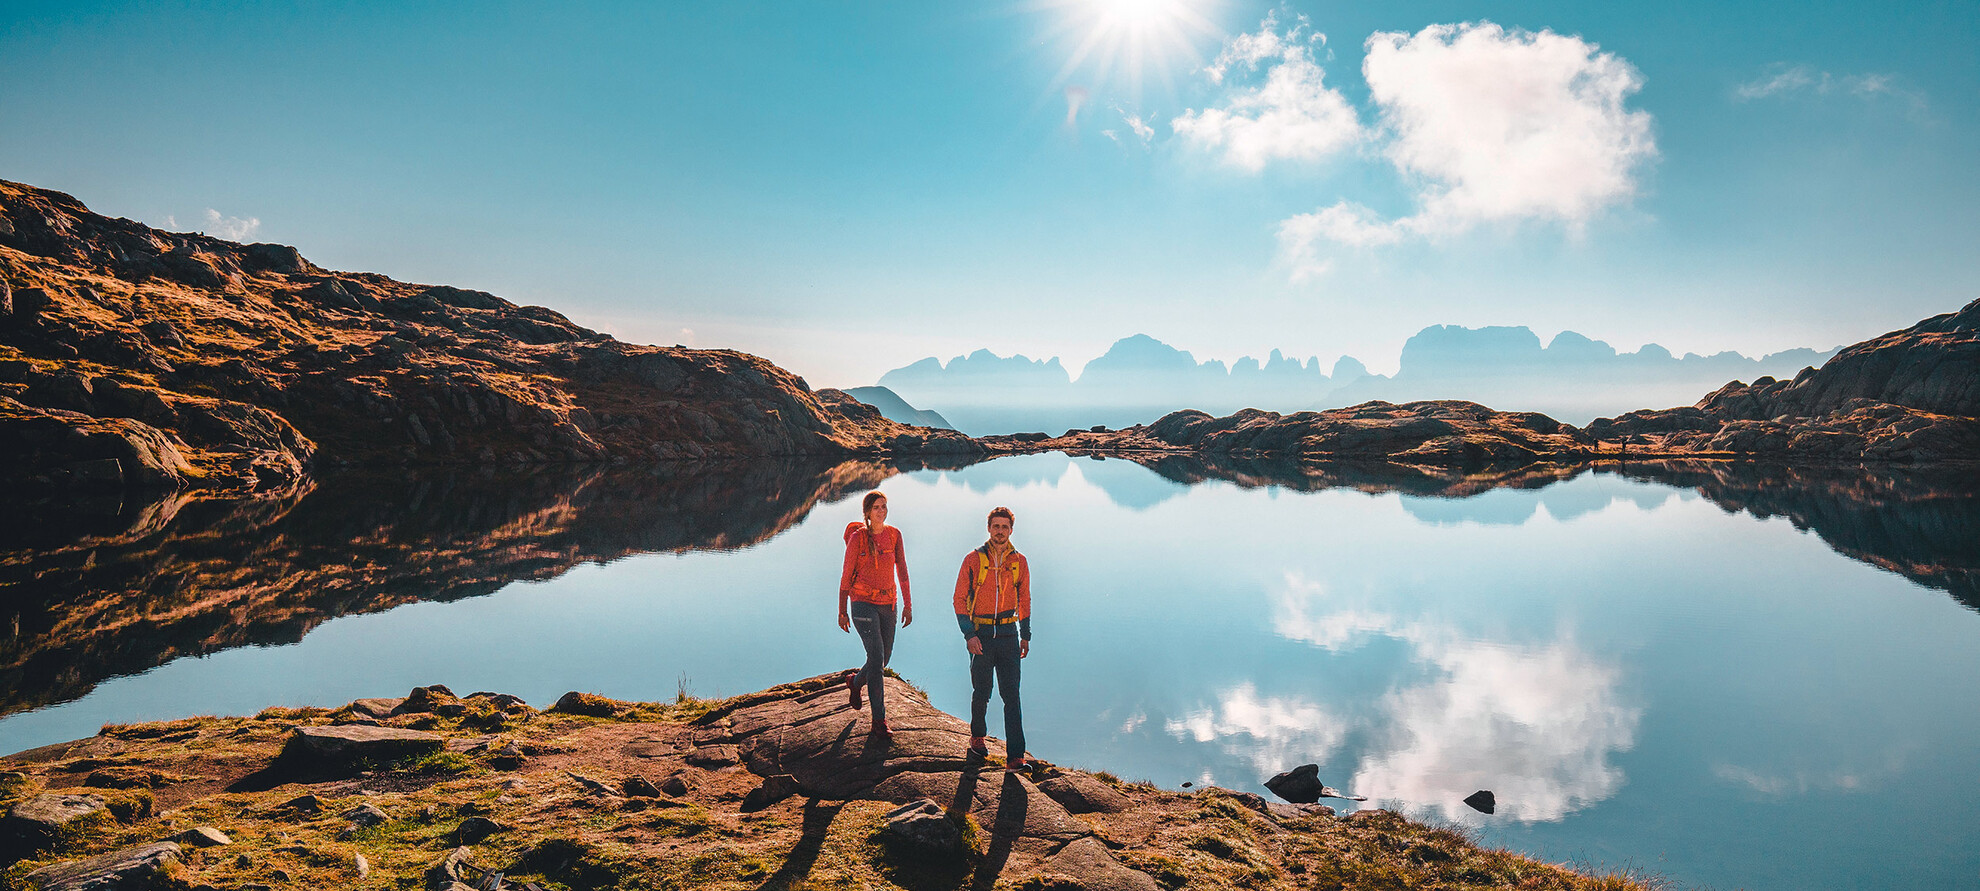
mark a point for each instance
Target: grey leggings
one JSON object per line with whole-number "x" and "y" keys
{"x": 875, "y": 625}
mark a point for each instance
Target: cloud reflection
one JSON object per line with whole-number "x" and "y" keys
{"x": 1280, "y": 730}
{"x": 1536, "y": 724}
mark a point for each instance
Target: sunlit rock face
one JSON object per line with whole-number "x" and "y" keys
{"x": 1911, "y": 395}
{"x": 175, "y": 361}
{"x": 111, "y": 587}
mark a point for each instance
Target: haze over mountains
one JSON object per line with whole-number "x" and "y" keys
{"x": 1573, "y": 378}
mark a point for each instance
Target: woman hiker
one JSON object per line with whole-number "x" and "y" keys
{"x": 874, "y": 557}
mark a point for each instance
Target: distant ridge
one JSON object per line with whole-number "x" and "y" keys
{"x": 894, "y": 408}
{"x": 1573, "y": 378}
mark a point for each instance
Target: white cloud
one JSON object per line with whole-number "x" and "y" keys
{"x": 1782, "y": 79}
{"x": 1304, "y": 238}
{"x": 1292, "y": 116}
{"x": 1486, "y": 126}
{"x": 230, "y": 228}
{"x": 1507, "y": 125}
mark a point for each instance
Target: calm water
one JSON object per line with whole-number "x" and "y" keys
{"x": 1753, "y": 679}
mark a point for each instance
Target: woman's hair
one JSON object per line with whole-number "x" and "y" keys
{"x": 866, "y": 504}
{"x": 1004, "y": 512}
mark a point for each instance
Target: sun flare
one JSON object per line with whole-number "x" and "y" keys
{"x": 1118, "y": 44}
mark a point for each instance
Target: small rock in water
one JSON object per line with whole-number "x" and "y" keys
{"x": 1301, "y": 785}
{"x": 1187, "y": 785}
{"x": 1482, "y": 801}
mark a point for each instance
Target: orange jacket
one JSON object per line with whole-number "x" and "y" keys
{"x": 871, "y": 563}
{"x": 1002, "y": 600}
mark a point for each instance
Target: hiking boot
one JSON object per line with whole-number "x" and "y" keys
{"x": 852, "y": 688}
{"x": 1017, "y": 764}
{"x": 880, "y": 729}
{"x": 978, "y": 745}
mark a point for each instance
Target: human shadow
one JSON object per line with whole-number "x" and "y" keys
{"x": 797, "y": 865}
{"x": 1012, "y": 804}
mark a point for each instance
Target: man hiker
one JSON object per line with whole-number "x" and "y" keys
{"x": 993, "y": 607}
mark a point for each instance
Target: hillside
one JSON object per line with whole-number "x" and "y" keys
{"x": 133, "y": 357}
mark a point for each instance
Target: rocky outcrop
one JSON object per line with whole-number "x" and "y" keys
{"x": 119, "y": 585}
{"x": 783, "y": 788}
{"x": 1910, "y": 395}
{"x": 121, "y": 342}
{"x": 1445, "y": 433}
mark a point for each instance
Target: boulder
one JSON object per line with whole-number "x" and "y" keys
{"x": 592, "y": 704}
{"x": 436, "y": 699}
{"x": 1092, "y": 868}
{"x": 1082, "y": 794}
{"x": 1482, "y": 801}
{"x": 924, "y": 828}
{"x": 203, "y": 837}
{"x": 343, "y": 746}
{"x": 773, "y": 789}
{"x": 41, "y": 822}
{"x": 375, "y": 708}
{"x": 473, "y": 829}
{"x": 365, "y": 815}
{"x": 128, "y": 868}
{"x": 640, "y": 787}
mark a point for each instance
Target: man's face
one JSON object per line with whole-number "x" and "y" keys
{"x": 1000, "y": 530}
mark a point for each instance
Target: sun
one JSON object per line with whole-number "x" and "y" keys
{"x": 1117, "y": 45}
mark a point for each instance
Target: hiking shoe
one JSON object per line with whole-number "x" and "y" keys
{"x": 1017, "y": 764}
{"x": 852, "y": 688}
{"x": 978, "y": 745}
{"x": 880, "y": 729}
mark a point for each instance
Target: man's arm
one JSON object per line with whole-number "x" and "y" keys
{"x": 1024, "y": 610}
{"x": 963, "y": 619}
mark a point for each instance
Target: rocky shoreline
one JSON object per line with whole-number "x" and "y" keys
{"x": 783, "y": 788}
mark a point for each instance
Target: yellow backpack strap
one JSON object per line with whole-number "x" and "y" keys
{"x": 982, "y": 569}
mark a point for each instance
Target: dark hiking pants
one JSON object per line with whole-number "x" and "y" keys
{"x": 999, "y": 659}
{"x": 875, "y": 625}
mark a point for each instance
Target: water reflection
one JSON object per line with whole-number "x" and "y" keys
{"x": 106, "y": 588}
{"x": 1537, "y": 723}
{"x": 1919, "y": 522}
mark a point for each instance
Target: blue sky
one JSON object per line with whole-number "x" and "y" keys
{"x": 845, "y": 188}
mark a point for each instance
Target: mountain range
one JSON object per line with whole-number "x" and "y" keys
{"x": 1572, "y": 378}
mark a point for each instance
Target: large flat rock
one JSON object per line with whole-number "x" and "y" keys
{"x": 806, "y": 731}
{"x": 128, "y": 868}
{"x": 347, "y": 744}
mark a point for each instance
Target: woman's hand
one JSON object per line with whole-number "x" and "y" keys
{"x": 845, "y": 621}
{"x": 907, "y": 616}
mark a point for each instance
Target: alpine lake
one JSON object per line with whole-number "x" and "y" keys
{"x": 1723, "y": 675}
